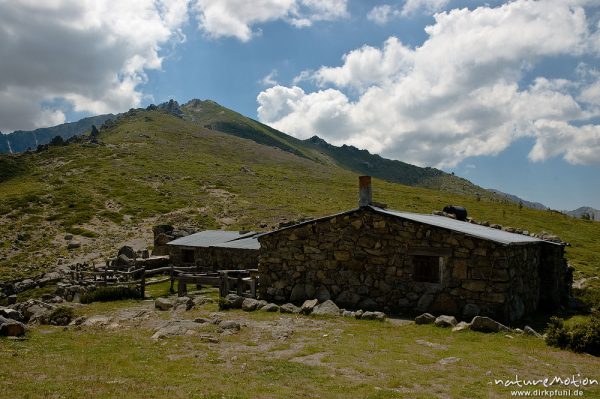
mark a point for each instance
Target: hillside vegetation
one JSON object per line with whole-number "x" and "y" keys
{"x": 154, "y": 167}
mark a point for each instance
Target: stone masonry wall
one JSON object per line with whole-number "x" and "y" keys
{"x": 365, "y": 260}
{"x": 213, "y": 259}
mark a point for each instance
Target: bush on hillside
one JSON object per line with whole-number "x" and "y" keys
{"x": 590, "y": 297}
{"x": 61, "y": 316}
{"x": 582, "y": 337}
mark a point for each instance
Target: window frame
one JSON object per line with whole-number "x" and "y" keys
{"x": 185, "y": 255}
{"x": 436, "y": 268}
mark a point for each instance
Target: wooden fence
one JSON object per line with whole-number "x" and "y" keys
{"x": 241, "y": 282}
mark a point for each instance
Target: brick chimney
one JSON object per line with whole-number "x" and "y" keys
{"x": 365, "y": 194}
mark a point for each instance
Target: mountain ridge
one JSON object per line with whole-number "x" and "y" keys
{"x": 21, "y": 140}
{"x": 211, "y": 115}
{"x": 585, "y": 212}
{"x": 149, "y": 167}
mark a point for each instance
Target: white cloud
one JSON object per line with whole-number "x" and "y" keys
{"x": 460, "y": 94}
{"x": 235, "y": 18}
{"x": 578, "y": 145}
{"x": 382, "y": 14}
{"x": 369, "y": 66}
{"x": 91, "y": 54}
{"x": 426, "y": 6}
{"x": 270, "y": 79}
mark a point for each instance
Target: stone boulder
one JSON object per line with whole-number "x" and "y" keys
{"x": 35, "y": 311}
{"x": 531, "y": 332}
{"x": 127, "y": 251}
{"x": 232, "y": 301}
{"x": 11, "y": 328}
{"x": 163, "y": 304}
{"x": 202, "y": 300}
{"x": 289, "y": 308}
{"x": 463, "y": 325}
{"x": 445, "y": 321}
{"x": 184, "y": 302}
{"x": 250, "y": 304}
{"x": 270, "y": 307}
{"x": 425, "y": 318}
{"x": 309, "y": 305}
{"x": 24, "y": 285}
{"x": 327, "y": 308}
{"x": 380, "y": 316}
{"x": 230, "y": 325}
{"x": 49, "y": 278}
{"x": 298, "y": 293}
{"x": 124, "y": 261}
{"x": 73, "y": 245}
{"x": 177, "y": 327}
{"x": 486, "y": 324}
{"x": 11, "y": 314}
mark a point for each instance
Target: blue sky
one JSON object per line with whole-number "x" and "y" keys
{"x": 506, "y": 94}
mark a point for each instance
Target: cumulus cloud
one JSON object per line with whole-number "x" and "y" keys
{"x": 384, "y": 13}
{"x": 460, "y": 94}
{"x": 270, "y": 79}
{"x": 90, "y": 54}
{"x": 427, "y": 6}
{"x": 235, "y": 18}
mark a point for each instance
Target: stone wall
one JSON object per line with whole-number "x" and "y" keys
{"x": 212, "y": 259}
{"x": 365, "y": 260}
{"x": 556, "y": 277}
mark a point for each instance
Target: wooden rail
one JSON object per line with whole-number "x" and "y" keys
{"x": 242, "y": 282}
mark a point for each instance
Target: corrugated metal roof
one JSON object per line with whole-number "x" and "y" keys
{"x": 242, "y": 243}
{"x": 209, "y": 238}
{"x": 471, "y": 229}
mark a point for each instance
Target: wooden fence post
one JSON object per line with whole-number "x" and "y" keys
{"x": 172, "y": 275}
{"x": 143, "y": 283}
{"x": 240, "y": 286}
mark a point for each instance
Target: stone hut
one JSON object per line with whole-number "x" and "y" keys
{"x": 212, "y": 250}
{"x": 407, "y": 263}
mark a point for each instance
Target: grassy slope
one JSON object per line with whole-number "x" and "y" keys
{"x": 209, "y": 113}
{"x": 154, "y": 164}
{"x": 323, "y": 358}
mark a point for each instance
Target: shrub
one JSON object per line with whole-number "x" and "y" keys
{"x": 582, "y": 337}
{"x": 556, "y": 333}
{"x": 61, "y": 316}
{"x": 106, "y": 294}
{"x": 589, "y": 296}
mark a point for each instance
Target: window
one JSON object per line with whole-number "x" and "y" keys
{"x": 426, "y": 269}
{"x": 187, "y": 256}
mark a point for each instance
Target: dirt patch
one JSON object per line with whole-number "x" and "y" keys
{"x": 315, "y": 359}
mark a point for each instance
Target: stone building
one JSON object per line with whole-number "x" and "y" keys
{"x": 400, "y": 262}
{"x": 212, "y": 250}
